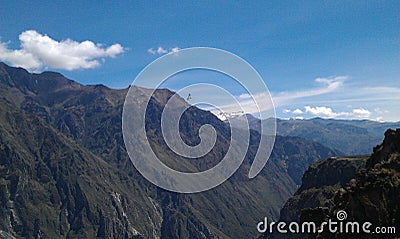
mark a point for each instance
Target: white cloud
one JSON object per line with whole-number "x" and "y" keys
{"x": 380, "y": 111}
{"x": 39, "y": 51}
{"x": 322, "y": 111}
{"x": 330, "y": 84}
{"x": 151, "y": 51}
{"x": 160, "y": 50}
{"x": 245, "y": 96}
{"x": 333, "y": 98}
{"x": 20, "y": 58}
{"x": 175, "y": 49}
{"x": 326, "y": 112}
{"x": 332, "y": 79}
{"x": 297, "y": 112}
{"x": 361, "y": 113}
{"x": 379, "y": 119}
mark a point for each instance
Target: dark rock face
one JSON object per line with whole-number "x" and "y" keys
{"x": 302, "y": 154}
{"x": 51, "y": 188}
{"x": 320, "y": 183}
{"x": 65, "y": 172}
{"x": 372, "y": 195}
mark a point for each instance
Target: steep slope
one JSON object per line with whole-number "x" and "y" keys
{"x": 320, "y": 183}
{"x": 366, "y": 189}
{"x": 297, "y": 154}
{"x": 374, "y": 194}
{"x": 50, "y": 187}
{"x": 90, "y": 116}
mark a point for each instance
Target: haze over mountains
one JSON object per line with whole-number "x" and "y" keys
{"x": 65, "y": 173}
{"x": 352, "y": 137}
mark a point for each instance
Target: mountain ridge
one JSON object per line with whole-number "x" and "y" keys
{"x": 90, "y": 116}
{"x": 352, "y": 137}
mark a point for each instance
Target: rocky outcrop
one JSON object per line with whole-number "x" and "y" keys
{"x": 320, "y": 183}
{"x": 369, "y": 193}
{"x": 374, "y": 194}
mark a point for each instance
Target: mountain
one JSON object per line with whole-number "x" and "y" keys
{"x": 320, "y": 183}
{"x": 352, "y": 137}
{"x": 50, "y": 187}
{"x": 87, "y": 186}
{"x": 367, "y": 189}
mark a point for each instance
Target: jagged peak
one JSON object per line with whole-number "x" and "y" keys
{"x": 51, "y": 74}
{"x": 390, "y": 145}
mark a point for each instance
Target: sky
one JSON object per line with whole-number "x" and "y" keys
{"x": 330, "y": 59}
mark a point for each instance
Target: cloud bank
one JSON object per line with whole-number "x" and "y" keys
{"x": 41, "y": 51}
{"x": 331, "y": 98}
{"x": 327, "y": 112}
{"x": 327, "y": 85}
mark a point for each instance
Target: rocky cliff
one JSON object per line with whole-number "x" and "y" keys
{"x": 366, "y": 188}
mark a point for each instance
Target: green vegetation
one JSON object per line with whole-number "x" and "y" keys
{"x": 65, "y": 172}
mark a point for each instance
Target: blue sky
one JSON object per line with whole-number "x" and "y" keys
{"x": 352, "y": 47}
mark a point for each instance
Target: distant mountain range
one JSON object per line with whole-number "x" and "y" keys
{"x": 65, "y": 173}
{"x": 352, "y": 137}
